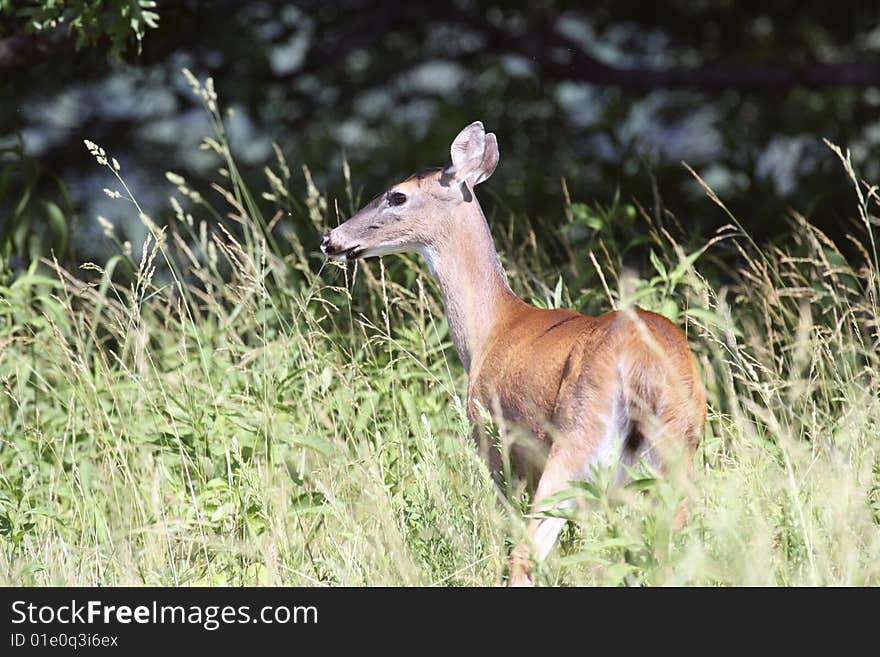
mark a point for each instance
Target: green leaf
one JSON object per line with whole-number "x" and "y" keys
{"x": 57, "y": 224}
{"x": 557, "y": 294}
{"x": 680, "y": 269}
{"x": 669, "y": 309}
{"x": 317, "y": 444}
{"x": 617, "y": 573}
{"x": 661, "y": 269}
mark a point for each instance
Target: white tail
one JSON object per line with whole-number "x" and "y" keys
{"x": 589, "y": 391}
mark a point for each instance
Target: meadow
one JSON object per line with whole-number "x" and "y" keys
{"x": 223, "y": 407}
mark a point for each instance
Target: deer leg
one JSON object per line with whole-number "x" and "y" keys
{"x": 571, "y": 458}
{"x": 542, "y": 532}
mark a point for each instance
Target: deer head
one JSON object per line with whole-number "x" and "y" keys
{"x": 413, "y": 214}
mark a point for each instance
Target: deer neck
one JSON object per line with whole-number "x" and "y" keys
{"x": 475, "y": 291}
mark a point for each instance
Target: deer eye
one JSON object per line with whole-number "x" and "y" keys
{"x": 396, "y": 199}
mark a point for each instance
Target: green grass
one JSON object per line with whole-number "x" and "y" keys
{"x": 238, "y": 413}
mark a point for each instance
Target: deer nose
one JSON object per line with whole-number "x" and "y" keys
{"x": 325, "y": 244}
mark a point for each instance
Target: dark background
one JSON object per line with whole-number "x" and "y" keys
{"x": 611, "y": 96}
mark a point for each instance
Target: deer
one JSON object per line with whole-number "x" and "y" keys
{"x": 572, "y": 393}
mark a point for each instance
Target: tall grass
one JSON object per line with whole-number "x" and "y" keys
{"x": 225, "y": 408}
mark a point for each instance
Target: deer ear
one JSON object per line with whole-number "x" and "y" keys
{"x": 490, "y": 159}
{"x": 467, "y": 152}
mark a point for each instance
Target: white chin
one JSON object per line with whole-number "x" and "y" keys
{"x": 379, "y": 251}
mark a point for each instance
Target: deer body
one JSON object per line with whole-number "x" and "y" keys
{"x": 572, "y": 392}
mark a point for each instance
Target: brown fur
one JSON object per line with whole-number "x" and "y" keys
{"x": 557, "y": 373}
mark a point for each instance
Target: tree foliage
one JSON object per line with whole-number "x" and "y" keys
{"x": 88, "y": 21}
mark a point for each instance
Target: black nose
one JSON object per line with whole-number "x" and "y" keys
{"x": 325, "y": 243}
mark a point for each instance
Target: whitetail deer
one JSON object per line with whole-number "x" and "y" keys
{"x": 589, "y": 391}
